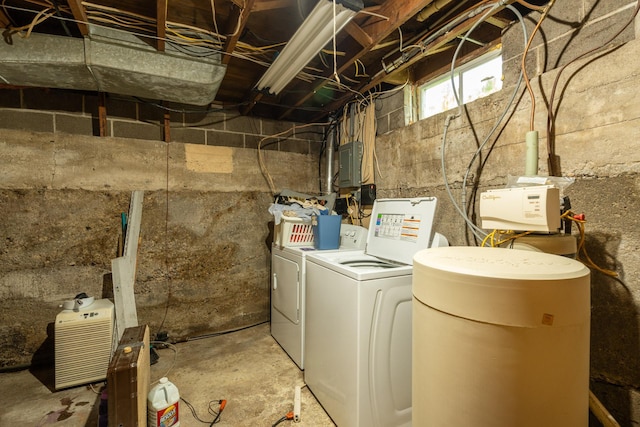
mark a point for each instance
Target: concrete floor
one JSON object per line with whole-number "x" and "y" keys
{"x": 247, "y": 368}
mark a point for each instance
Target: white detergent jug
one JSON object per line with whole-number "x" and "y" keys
{"x": 163, "y": 405}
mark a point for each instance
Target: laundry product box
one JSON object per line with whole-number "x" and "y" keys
{"x": 326, "y": 231}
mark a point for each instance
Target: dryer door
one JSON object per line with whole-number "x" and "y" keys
{"x": 285, "y": 288}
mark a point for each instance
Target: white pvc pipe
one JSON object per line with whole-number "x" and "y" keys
{"x": 531, "y": 161}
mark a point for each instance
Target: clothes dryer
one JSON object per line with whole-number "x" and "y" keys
{"x": 288, "y": 289}
{"x": 358, "y": 318}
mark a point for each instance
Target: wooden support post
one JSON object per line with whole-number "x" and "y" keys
{"x": 102, "y": 114}
{"x": 80, "y": 16}
{"x": 124, "y": 269}
{"x": 4, "y": 20}
{"x": 161, "y": 21}
{"x": 167, "y": 127}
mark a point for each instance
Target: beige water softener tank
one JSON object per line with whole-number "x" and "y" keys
{"x": 500, "y": 339}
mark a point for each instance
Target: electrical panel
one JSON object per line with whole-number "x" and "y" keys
{"x": 350, "y": 159}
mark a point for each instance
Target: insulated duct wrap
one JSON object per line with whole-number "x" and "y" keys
{"x": 110, "y": 61}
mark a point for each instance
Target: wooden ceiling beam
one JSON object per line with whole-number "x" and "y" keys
{"x": 391, "y": 15}
{"x": 80, "y": 16}
{"x": 358, "y": 34}
{"x": 262, "y": 5}
{"x": 433, "y": 47}
{"x": 235, "y": 26}
{"x": 498, "y": 22}
{"x": 161, "y": 24}
{"x": 4, "y": 20}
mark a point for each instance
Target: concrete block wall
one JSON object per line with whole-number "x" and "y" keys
{"x": 76, "y": 112}
{"x": 571, "y": 28}
{"x": 596, "y": 133}
{"x": 390, "y": 112}
{"x": 204, "y": 254}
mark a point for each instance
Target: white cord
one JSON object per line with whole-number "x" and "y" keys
{"x": 175, "y": 358}
{"x": 335, "y": 49}
{"x": 502, "y": 116}
{"x": 477, "y": 232}
{"x": 263, "y": 166}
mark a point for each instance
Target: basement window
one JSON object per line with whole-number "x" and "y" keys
{"x": 474, "y": 80}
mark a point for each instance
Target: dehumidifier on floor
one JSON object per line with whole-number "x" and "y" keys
{"x": 83, "y": 344}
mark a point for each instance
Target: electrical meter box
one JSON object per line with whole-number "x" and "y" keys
{"x": 350, "y": 158}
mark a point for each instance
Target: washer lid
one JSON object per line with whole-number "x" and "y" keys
{"x": 400, "y": 227}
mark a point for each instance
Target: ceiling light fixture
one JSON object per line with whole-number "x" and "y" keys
{"x": 324, "y": 21}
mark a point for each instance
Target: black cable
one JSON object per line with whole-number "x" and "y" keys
{"x": 185, "y": 111}
{"x": 216, "y": 415}
{"x": 193, "y": 411}
{"x": 62, "y": 21}
{"x": 288, "y": 417}
{"x": 279, "y": 421}
{"x": 216, "y": 419}
{"x": 166, "y": 243}
{"x": 230, "y": 331}
{"x": 551, "y": 115}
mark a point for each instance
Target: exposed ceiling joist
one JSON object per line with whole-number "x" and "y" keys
{"x": 358, "y": 34}
{"x": 396, "y": 13}
{"x": 235, "y": 27}
{"x": 246, "y": 36}
{"x": 377, "y": 29}
{"x": 161, "y": 23}
{"x": 498, "y": 22}
{"x": 4, "y": 20}
{"x": 261, "y": 6}
{"x": 433, "y": 47}
{"x": 80, "y": 15}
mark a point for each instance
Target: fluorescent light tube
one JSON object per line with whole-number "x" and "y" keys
{"x": 314, "y": 34}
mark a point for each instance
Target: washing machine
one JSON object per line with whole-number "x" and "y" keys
{"x": 358, "y": 318}
{"x": 288, "y": 289}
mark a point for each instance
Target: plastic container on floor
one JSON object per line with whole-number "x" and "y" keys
{"x": 163, "y": 405}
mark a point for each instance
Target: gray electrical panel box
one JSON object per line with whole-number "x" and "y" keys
{"x": 350, "y": 157}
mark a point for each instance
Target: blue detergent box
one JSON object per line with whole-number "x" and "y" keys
{"x": 326, "y": 231}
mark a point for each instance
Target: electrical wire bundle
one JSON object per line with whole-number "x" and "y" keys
{"x": 498, "y": 238}
{"x": 582, "y": 254}
{"x": 462, "y": 210}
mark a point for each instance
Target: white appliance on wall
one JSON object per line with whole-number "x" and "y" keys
{"x": 358, "y": 318}
{"x": 288, "y": 289}
{"x": 83, "y": 343}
